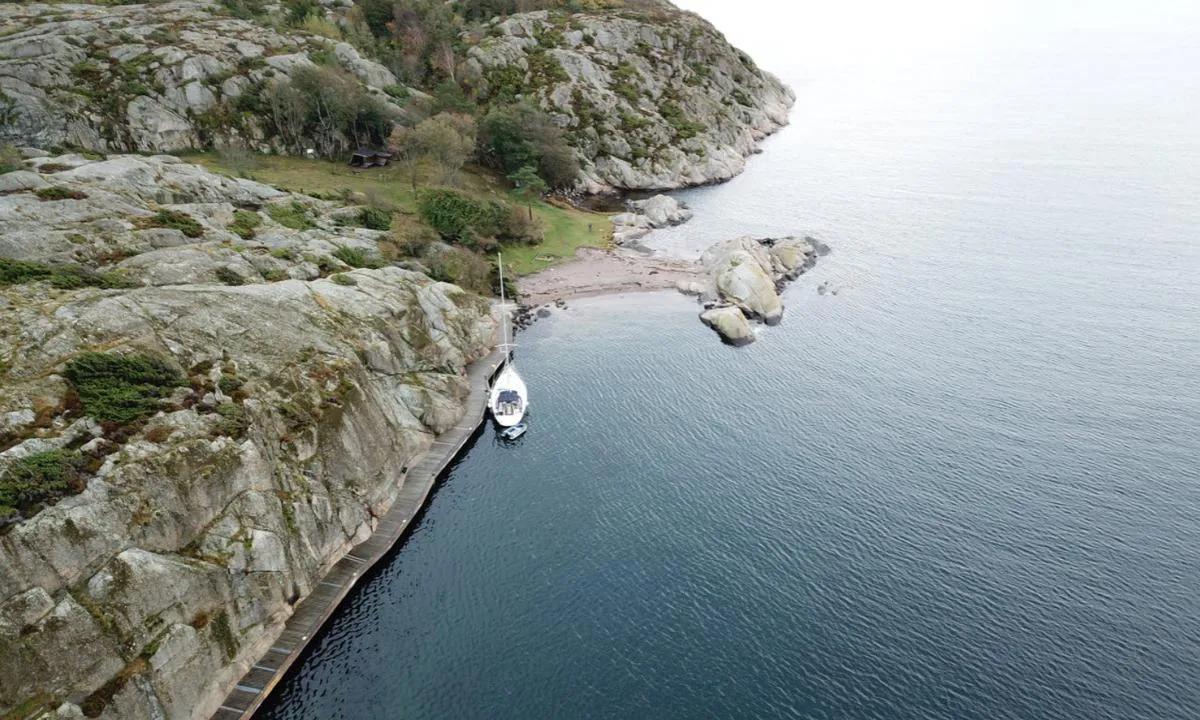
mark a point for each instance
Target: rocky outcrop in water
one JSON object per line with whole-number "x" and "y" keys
{"x": 745, "y": 277}
{"x": 642, "y": 216}
{"x": 651, "y": 100}
{"x": 305, "y": 387}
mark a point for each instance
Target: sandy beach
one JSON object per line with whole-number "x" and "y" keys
{"x": 602, "y": 272}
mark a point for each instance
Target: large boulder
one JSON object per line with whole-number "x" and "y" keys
{"x": 742, "y": 270}
{"x": 662, "y": 211}
{"x": 730, "y": 323}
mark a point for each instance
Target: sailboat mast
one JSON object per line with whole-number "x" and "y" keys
{"x": 503, "y": 307}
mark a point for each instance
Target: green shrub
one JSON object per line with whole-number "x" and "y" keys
{"x": 229, "y": 276}
{"x": 294, "y": 216}
{"x": 244, "y": 9}
{"x": 245, "y": 223}
{"x": 462, "y": 267}
{"x": 234, "y": 420}
{"x": 40, "y": 479}
{"x": 174, "y": 220}
{"x": 51, "y": 168}
{"x": 10, "y": 159}
{"x": 355, "y": 257}
{"x": 343, "y": 279}
{"x": 374, "y": 218}
{"x": 58, "y": 192}
{"x": 397, "y": 91}
{"x": 448, "y": 212}
{"x": 285, "y": 253}
{"x": 273, "y": 275}
{"x": 120, "y": 388}
{"x": 63, "y": 277}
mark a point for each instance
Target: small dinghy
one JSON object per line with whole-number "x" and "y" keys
{"x": 514, "y": 432}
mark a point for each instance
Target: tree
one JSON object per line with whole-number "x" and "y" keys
{"x": 529, "y": 184}
{"x": 328, "y": 108}
{"x": 513, "y": 136}
{"x": 449, "y": 140}
{"x": 407, "y": 150}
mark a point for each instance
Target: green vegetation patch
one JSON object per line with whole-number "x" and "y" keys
{"x": 10, "y": 157}
{"x": 374, "y": 218}
{"x": 63, "y": 277}
{"x": 245, "y": 223}
{"x": 357, "y": 258}
{"x": 173, "y": 219}
{"x": 229, "y": 276}
{"x": 449, "y": 212}
{"x": 39, "y": 480}
{"x": 121, "y": 388}
{"x": 294, "y": 216}
{"x": 58, "y": 192}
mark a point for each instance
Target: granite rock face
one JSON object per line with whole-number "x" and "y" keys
{"x": 642, "y": 216}
{"x": 651, "y": 100}
{"x": 148, "y": 594}
{"x": 745, "y": 277}
{"x": 153, "y": 77}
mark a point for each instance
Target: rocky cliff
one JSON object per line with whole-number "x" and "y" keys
{"x": 649, "y": 98}
{"x": 302, "y": 388}
{"x": 154, "y": 77}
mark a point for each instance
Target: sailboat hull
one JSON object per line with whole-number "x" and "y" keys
{"x": 509, "y": 398}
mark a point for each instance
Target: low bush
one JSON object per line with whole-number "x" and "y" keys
{"x": 63, "y": 277}
{"x": 174, "y": 220}
{"x": 408, "y": 238}
{"x": 356, "y": 258}
{"x": 448, "y": 212}
{"x": 460, "y": 218}
{"x": 41, "y": 479}
{"x": 245, "y": 223}
{"x": 343, "y": 279}
{"x": 234, "y": 421}
{"x": 120, "y": 388}
{"x": 50, "y": 168}
{"x": 229, "y": 276}
{"x": 58, "y": 192}
{"x": 461, "y": 267}
{"x": 294, "y": 216}
{"x": 10, "y": 159}
{"x": 374, "y": 218}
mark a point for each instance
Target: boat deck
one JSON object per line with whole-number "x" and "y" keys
{"x": 312, "y": 612}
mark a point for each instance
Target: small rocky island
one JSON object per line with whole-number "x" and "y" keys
{"x": 744, "y": 277}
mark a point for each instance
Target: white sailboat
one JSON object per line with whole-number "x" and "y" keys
{"x": 509, "y": 398}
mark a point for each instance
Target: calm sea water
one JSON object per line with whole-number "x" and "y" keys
{"x": 965, "y": 486}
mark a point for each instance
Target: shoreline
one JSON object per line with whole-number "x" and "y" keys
{"x": 593, "y": 272}
{"x": 260, "y": 676}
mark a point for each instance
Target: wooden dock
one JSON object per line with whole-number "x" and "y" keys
{"x": 312, "y": 612}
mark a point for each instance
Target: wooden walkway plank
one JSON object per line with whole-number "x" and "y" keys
{"x": 318, "y": 606}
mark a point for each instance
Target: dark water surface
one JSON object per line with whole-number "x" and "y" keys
{"x": 964, "y": 487}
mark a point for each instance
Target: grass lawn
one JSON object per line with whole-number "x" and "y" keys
{"x": 567, "y": 229}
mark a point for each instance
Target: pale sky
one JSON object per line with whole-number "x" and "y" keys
{"x": 806, "y": 32}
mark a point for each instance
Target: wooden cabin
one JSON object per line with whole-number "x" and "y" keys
{"x": 366, "y": 157}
